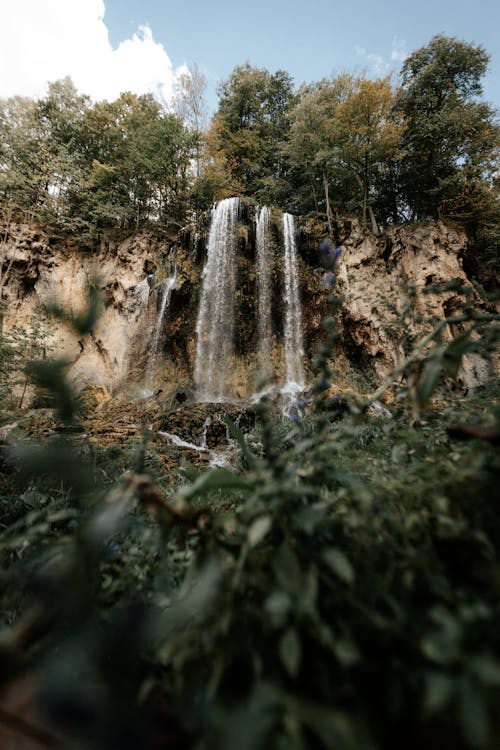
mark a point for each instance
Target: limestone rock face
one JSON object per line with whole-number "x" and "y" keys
{"x": 386, "y": 283}
{"x": 382, "y": 280}
{"x": 39, "y": 271}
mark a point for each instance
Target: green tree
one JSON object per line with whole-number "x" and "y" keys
{"x": 344, "y": 137}
{"x": 311, "y": 149}
{"x": 451, "y": 140}
{"x": 367, "y": 134}
{"x": 139, "y": 159}
{"x": 20, "y": 140}
{"x": 250, "y": 125}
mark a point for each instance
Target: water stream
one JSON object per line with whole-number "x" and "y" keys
{"x": 156, "y": 338}
{"x": 294, "y": 345}
{"x": 264, "y": 292}
{"x": 215, "y": 324}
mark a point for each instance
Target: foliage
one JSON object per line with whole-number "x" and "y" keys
{"x": 311, "y": 148}
{"x": 86, "y": 167}
{"x": 19, "y": 347}
{"x": 344, "y": 133}
{"x": 451, "y": 140}
{"x": 424, "y": 148}
{"x": 339, "y": 590}
{"x": 250, "y": 125}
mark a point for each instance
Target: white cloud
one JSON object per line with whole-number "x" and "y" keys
{"x": 42, "y": 41}
{"x": 381, "y": 65}
{"x": 376, "y": 62}
{"x": 399, "y": 52}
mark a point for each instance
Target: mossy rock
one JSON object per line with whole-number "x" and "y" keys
{"x": 91, "y": 398}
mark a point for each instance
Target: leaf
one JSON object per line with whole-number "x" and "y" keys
{"x": 258, "y": 530}
{"x": 215, "y": 479}
{"x": 429, "y": 378}
{"x": 473, "y": 713}
{"x": 452, "y": 356}
{"x": 438, "y": 691}
{"x": 333, "y": 729}
{"x": 346, "y": 652}
{"x": 237, "y": 434}
{"x": 195, "y": 597}
{"x": 339, "y": 564}
{"x": 277, "y": 606}
{"x": 290, "y": 651}
{"x": 487, "y": 669}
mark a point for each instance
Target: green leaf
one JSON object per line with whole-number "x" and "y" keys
{"x": 237, "y": 434}
{"x": 346, "y": 652}
{"x": 215, "y": 479}
{"x": 290, "y": 651}
{"x": 486, "y": 669}
{"x": 277, "y": 606}
{"x": 429, "y": 378}
{"x": 452, "y": 356}
{"x": 473, "y": 713}
{"x": 333, "y": 729}
{"x": 258, "y": 530}
{"x": 339, "y": 564}
{"x": 438, "y": 691}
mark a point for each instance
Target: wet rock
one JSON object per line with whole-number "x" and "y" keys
{"x": 203, "y": 423}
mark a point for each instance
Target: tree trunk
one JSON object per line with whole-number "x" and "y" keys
{"x": 366, "y": 205}
{"x": 327, "y": 201}
{"x": 373, "y": 221}
{"x": 315, "y": 197}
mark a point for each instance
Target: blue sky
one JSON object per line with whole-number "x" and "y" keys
{"x": 109, "y": 46}
{"x": 308, "y": 39}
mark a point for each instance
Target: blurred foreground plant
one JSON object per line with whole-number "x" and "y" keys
{"x": 309, "y": 600}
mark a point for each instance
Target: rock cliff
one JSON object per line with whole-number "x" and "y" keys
{"x": 382, "y": 280}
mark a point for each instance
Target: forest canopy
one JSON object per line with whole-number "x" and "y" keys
{"x": 424, "y": 146}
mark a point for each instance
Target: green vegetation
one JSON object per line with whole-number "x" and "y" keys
{"x": 425, "y": 147}
{"x": 337, "y": 589}
{"x": 338, "y": 586}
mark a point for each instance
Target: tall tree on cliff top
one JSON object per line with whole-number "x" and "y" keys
{"x": 344, "y": 136}
{"x": 250, "y": 125}
{"x": 190, "y": 104}
{"x": 366, "y": 134}
{"x": 451, "y": 139}
{"x": 310, "y": 149}
{"x": 138, "y": 158}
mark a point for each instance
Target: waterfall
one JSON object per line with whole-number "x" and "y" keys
{"x": 215, "y": 324}
{"x": 294, "y": 347}
{"x": 154, "y": 349}
{"x": 264, "y": 326}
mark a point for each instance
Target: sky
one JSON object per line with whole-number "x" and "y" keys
{"x": 109, "y": 46}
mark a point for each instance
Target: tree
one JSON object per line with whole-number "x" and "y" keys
{"x": 190, "y": 104}
{"x": 250, "y": 125}
{"x": 20, "y": 152}
{"x": 138, "y": 158}
{"x": 310, "y": 147}
{"x": 344, "y": 134}
{"x": 367, "y": 136}
{"x": 451, "y": 139}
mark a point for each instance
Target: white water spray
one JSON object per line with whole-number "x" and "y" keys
{"x": 215, "y": 324}
{"x": 294, "y": 346}
{"x": 264, "y": 325}
{"x": 154, "y": 349}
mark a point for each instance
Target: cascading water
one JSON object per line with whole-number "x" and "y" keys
{"x": 154, "y": 349}
{"x": 264, "y": 326}
{"x": 294, "y": 347}
{"x": 215, "y": 324}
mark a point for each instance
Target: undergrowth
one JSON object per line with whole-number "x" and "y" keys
{"x": 339, "y": 590}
